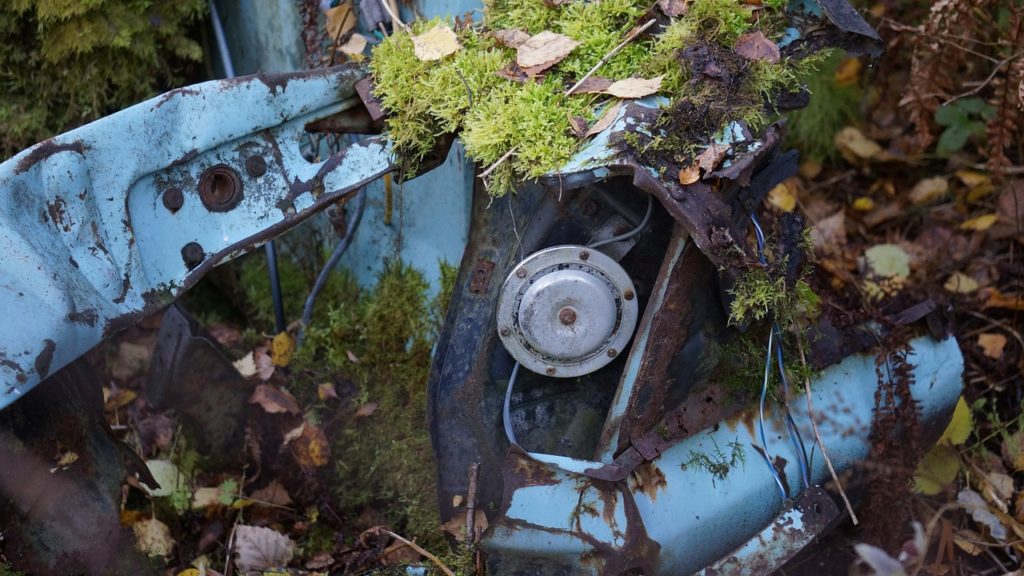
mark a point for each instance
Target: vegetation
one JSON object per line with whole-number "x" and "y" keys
{"x": 63, "y": 64}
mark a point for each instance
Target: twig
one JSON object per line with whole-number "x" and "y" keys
{"x": 817, "y": 437}
{"x": 491, "y": 168}
{"x": 987, "y": 81}
{"x": 416, "y": 547}
{"x": 386, "y": 4}
{"x": 1008, "y": 171}
{"x": 474, "y": 472}
{"x": 636, "y": 32}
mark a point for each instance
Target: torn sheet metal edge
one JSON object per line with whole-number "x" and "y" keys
{"x": 555, "y": 517}
{"x": 110, "y": 221}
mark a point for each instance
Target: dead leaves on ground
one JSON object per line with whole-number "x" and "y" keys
{"x": 436, "y": 43}
{"x": 543, "y": 50}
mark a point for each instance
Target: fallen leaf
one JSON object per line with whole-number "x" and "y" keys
{"x": 281, "y": 349}
{"x": 513, "y": 38}
{"x": 130, "y": 360}
{"x": 979, "y": 184}
{"x": 828, "y": 234}
{"x": 963, "y": 539}
{"x": 1002, "y": 487}
{"x": 879, "y": 561}
{"x": 326, "y": 391}
{"x": 689, "y": 175}
{"x": 399, "y": 553}
{"x": 1010, "y": 204}
{"x": 354, "y": 45}
{"x": 259, "y": 548}
{"x": 366, "y": 410}
{"x": 997, "y": 299}
{"x": 340, "y": 20}
{"x": 782, "y": 197}
{"x": 611, "y": 112}
{"x": 246, "y": 365}
{"x": 436, "y": 43}
{"x": 1013, "y": 451}
{"x": 457, "y": 525}
{"x": 274, "y": 400}
{"x": 634, "y": 87}
{"x": 66, "y": 459}
{"x": 673, "y": 8}
{"x": 578, "y": 125}
{"x": 264, "y": 364}
{"x": 855, "y": 147}
{"x": 311, "y": 449}
{"x": 318, "y": 561}
{"x": 712, "y": 156}
{"x": 864, "y": 204}
{"x": 980, "y": 223}
{"x": 513, "y": 72}
{"x": 153, "y": 537}
{"x": 936, "y": 470}
{"x": 593, "y": 85}
{"x": 848, "y": 71}
{"x": 118, "y": 399}
{"x": 273, "y": 493}
{"x": 960, "y": 426}
{"x": 810, "y": 169}
{"x": 888, "y": 260}
{"x": 992, "y": 344}
{"x": 975, "y": 505}
{"x": 294, "y": 434}
{"x": 757, "y": 46}
{"x": 351, "y": 357}
{"x": 544, "y": 50}
{"x": 960, "y": 283}
{"x": 166, "y": 475}
{"x": 929, "y": 190}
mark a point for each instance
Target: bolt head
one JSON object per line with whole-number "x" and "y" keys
{"x": 567, "y": 316}
{"x": 193, "y": 254}
{"x": 628, "y": 295}
{"x": 506, "y": 332}
{"x": 255, "y": 165}
{"x": 584, "y": 255}
{"x": 173, "y": 199}
{"x": 550, "y": 371}
{"x": 612, "y": 352}
{"x": 521, "y": 273}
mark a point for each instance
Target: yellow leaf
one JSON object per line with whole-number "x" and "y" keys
{"x": 864, "y": 204}
{"x": 981, "y": 223}
{"x": 960, "y": 283}
{"x": 978, "y": 184}
{"x": 281, "y": 349}
{"x": 938, "y": 468}
{"x": 960, "y": 425}
{"x": 190, "y": 572}
{"x": 992, "y": 344}
{"x": 855, "y": 146}
{"x": 848, "y": 72}
{"x": 689, "y": 175}
{"x": 929, "y": 190}
{"x": 436, "y": 43}
{"x": 782, "y": 197}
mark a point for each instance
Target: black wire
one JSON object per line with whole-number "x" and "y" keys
{"x": 332, "y": 262}
{"x": 280, "y": 324}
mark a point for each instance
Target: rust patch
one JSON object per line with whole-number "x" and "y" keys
{"x": 173, "y": 93}
{"x": 87, "y": 317}
{"x": 481, "y": 276}
{"x": 649, "y": 479}
{"x": 58, "y": 213}
{"x": 45, "y": 358}
{"x": 526, "y": 471}
{"x": 44, "y": 150}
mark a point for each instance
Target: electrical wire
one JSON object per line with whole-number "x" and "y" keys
{"x": 321, "y": 280}
{"x": 760, "y": 420}
{"x": 506, "y": 410}
{"x": 793, "y": 432}
{"x": 631, "y": 233}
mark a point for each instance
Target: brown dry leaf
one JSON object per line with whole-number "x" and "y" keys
{"x": 1011, "y": 202}
{"x": 593, "y": 85}
{"x": 689, "y": 175}
{"x": 318, "y": 561}
{"x": 782, "y": 197}
{"x": 929, "y": 190}
{"x": 992, "y": 344}
{"x": 828, "y": 234}
{"x": 673, "y": 8}
{"x": 712, "y": 156}
{"x": 66, "y": 459}
{"x": 264, "y": 363}
{"x": 326, "y": 391}
{"x": 366, "y": 410}
{"x": 273, "y": 493}
{"x": 980, "y": 223}
{"x": 544, "y": 50}
{"x": 997, "y": 299}
{"x": 311, "y": 449}
{"x": 578, "y": 125}
{"x": 354, "y": 45}
{"x": 513, "y": 38}
{"x": 810, "y": 169}
{"x": 131, "y": 359}
{"x": 513, "y": 72}
{"x": 611, "y": 112}
{"x": 960, "y": 283}
{"x": 1013, "y": 450}
{"x": 259, "y": 548}
{"x": 400, "y": 553}
{"x": 436, "y": 43}
{"x": 281, "y": 349}
{"x": 757, "y": 46}
{"x": 293, "y": 434}
{"x": 116, "y": 399}
{"x": 153, "y": 537}
{"x": 274, "y": 400}
{"x": 855, "y": 147}
{"x": 340, "y": 20}
{"x": 351, "y": 357}
{"x": 457, "y": 525}
{"x": 634, "y": 87}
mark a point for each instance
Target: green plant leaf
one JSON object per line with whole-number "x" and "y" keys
{"x": 952, "y": 139}
{"x": 960, "y": 425}
{"x": 950, "y": 115}
{"x": 938, "y": 468}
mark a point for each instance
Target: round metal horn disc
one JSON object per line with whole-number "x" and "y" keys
{"x": 562, "y": 311}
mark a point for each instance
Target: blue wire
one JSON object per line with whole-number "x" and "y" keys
{"x": 760, "y": 420}
{"x": 794, "y": 434}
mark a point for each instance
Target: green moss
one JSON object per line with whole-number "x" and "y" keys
{"x": 599, "y": 27}
{"x": 64, "y": 63}
{"x": 812, "y": 129}
{"x": 722, "y": 21}
{"x": 384, "y": 461}
{"x": 718, "y": 464}
{"x": 6, "y": 570}
{"x": 531, "y": 15}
